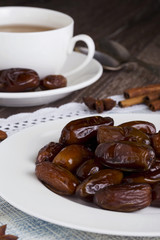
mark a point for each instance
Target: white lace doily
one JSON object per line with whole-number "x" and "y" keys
{"x": 27, "y": 227}
{"x": 20, "y": 121}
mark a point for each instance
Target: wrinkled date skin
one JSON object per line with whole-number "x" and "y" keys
{"x": 18, "y": 80}
{"x": 155, "y": 141}
{"x": 57, "y": 178}
{"x": 84, "y": 130}
{"x": 48, "y": 152}
{"x": 156, "y": 195}
{"x": 124, "y": 197}
{"x": 72, "y": 156}
{"x": 151, "y": 176}
{"x": 113, "y": 133}
{"x": 144, "y": 126}
{"x": 127, "y": 156}
{"x": 53, "y": 82}
{"x": 88, "y": 168}
{"x": 97, "y": 181}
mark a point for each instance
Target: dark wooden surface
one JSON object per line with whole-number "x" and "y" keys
{"x": 135, "y": 24}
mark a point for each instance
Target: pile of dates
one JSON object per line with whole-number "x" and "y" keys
{"x": 24, "y": 80}
{"x": 116, "y": 167}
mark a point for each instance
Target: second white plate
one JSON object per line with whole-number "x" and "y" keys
{"x": 90, "y": 74}
{"x": 20, "y": 187}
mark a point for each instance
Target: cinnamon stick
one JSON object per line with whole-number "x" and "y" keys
{"x": 151, "y": 97}
{"x": 139, "y": 91}
{"x": 154, "y": 105}
{"x": 132, "y": 101}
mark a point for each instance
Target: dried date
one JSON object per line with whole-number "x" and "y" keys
{"x": 151, "y": 176}
{"x": 124, "y": 197}
{"x": 144, "y": 126}
{"x": 59, "y": 179}
{"x": 155, "y": 141}
{"x": 53, "y": 82}
{"x": 127, "y": 156}
{"x": 156, "y": 195}
{"x": 48, "y": 152}
{"x": 18, "y": 80}
{"x": 97, "y": 181}
{"x": 3, "y": 135}
{"x": 114, "y": 133}
{"x": 84, "y": 130}
{"x": 88, "y": 168}
{"x": 72, "y": 156}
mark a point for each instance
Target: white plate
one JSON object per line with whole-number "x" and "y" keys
{"x": 90, "y": 74}
{"x": 20, "y": 187}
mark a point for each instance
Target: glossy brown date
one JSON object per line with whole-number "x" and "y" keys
{"x": 121, "y": 148}
{"x": 48, "y": 152}
{"x": 18, "y": 80}
{"x": 127, "y": 156}
{"x": 151, "y": 176}
{"x": 84, "y": 130}
{"x": 59, "y": 179}
{"x": 97, "y": 181}
{"x": 124, "y": 197}
{"x": 144, "y": 126}
{"x": 155, "y": 141}
{"x": 107, "y": 134}
{"x": 53, "y": 82}
{"x": 72, "y": 156}
{"x": 88, "y": 168}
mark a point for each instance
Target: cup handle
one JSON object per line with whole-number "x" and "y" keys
{"x": 91, "y": 49}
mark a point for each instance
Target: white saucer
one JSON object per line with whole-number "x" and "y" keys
{"x": 90, "y": 74}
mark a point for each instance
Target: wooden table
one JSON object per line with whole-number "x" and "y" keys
{"x": 135, "y": 24}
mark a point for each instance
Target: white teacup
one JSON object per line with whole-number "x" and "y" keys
{"x": 45, "y": 45}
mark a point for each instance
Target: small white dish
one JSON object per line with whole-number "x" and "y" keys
{"x": 20, "y": 187}
{"x": 82, "y": 79}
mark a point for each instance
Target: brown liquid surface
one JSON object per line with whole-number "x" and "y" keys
{"x": 24, "y": 28}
